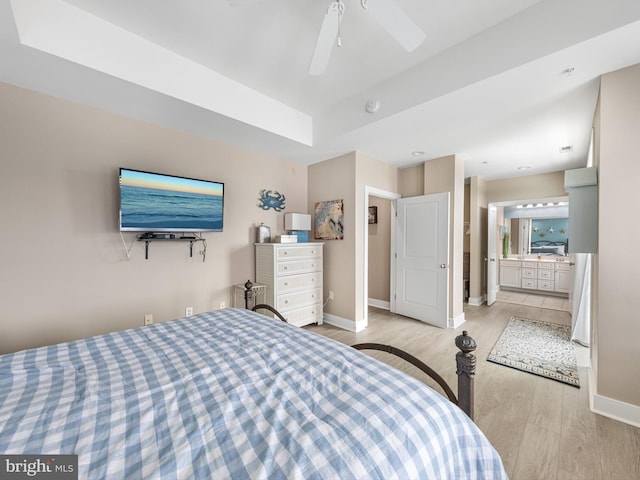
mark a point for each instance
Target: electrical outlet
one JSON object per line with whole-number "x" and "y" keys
{"x": 148, "y": 319}
{"x": 223, "y": 305}
{"x": 188, "y": 311}
{"x": 330, "y": 295}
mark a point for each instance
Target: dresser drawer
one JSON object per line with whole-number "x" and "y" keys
{"x": 548, "y": 285}
{"x": 530, "y": 283}
{"x": 292, "y": 283}
{"x": 304, "y": 316}
{"x": 294, "y": 300}
{"x": 544, "y": 274}
{"x": 529, "y": 272}
{"x": 546, "y": 265}
{"x": 284, "y": 253}
{"x": 302, "y": 266}
{"x": 510, "y": 263}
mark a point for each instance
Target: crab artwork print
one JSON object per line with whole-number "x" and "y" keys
{"x": 271, "y": 199}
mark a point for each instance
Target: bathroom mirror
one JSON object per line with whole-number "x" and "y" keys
{"x": 538, "y": 228}
{"x": 540, "y": 236}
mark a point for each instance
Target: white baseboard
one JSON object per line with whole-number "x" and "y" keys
{"x": 609, "y": 407}
{"x": 477, "y": 301}
{"x": 383, "y": 304}
{"x": 345, "y": 323}
{"x": 457, "y": 321}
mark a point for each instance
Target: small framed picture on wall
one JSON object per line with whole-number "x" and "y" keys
{"x": 373, "y": 215}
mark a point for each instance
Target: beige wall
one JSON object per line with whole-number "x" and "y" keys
{"x": 64, "y": 272}
{"x": 334, "y": 179}
{"x": 441, "y": 175}
{"x": 345, "y": 178}
{"x": 595, "y": 274}
{"x": 546, "y": 185}
{"x": 618, "y": 303}
{"x": 411, "y": 181}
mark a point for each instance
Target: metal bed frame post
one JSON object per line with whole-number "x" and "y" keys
{"x": 466, "y": 371}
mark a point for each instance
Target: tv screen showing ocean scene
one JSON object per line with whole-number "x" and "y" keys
{"x": 152, "y": 202}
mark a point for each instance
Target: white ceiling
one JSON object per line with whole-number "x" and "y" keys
{"x": 487, "y": 84}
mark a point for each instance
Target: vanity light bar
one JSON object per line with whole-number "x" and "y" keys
{"x": 537, "y": 205}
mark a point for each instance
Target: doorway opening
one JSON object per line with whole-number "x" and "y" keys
{"x": 370, "y": 192}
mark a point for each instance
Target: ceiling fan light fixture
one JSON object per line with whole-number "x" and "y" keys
{"x": 329, "y": 33}
{"x": 387, "y": 13}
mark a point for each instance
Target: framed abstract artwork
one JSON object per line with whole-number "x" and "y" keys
{"x": 329, "y": 220}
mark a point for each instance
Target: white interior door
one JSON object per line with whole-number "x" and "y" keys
{"x": 492, "y": 264}
{"x": 422, "y": 258}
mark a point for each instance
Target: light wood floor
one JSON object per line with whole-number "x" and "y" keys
{"x": 542, "y": 429}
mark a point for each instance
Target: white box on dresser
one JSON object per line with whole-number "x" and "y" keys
{"x": 292, "y": 274}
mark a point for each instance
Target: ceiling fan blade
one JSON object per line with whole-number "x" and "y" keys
{"x": 395, "y": 21}
{"x": 326, "y": 40}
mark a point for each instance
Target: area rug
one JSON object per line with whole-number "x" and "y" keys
{"x": 537, "y": 347}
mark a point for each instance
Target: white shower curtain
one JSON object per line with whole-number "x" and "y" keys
{"x": 581, "y": 317}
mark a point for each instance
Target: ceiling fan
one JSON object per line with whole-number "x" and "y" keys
{"x": 386, "y": 12}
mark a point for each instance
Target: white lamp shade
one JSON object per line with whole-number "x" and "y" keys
{"x": 297, "y": 221}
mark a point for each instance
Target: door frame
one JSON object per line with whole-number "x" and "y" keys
{"x": 374, "y": 192}
{"x": 509, "y": 203}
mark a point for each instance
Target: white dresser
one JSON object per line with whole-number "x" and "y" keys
{"x": 292, "y": 273}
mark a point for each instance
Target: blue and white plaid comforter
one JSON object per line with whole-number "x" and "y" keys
{"x": 232, "y": 394}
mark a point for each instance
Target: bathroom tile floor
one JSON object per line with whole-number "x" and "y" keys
{"x": 534, "y": 300}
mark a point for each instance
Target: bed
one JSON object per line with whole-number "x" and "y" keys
{"x": 545, "y": 247}
{"x": 232, "y": 394}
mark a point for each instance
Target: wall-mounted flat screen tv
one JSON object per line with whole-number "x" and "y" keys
{"x": 154, "y": 202}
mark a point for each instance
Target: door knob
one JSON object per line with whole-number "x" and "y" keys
{"x": 443, "y": 265}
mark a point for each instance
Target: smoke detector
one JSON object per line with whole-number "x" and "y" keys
{"x": 372, "y": 106}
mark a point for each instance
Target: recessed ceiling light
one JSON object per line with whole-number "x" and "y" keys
{"x": 524, "y": 167}
{"x": 417, "y": 153}
{"x": 484, "y": 164}
{"x": 568, "y": 71}
{"x": 566, "y": 149}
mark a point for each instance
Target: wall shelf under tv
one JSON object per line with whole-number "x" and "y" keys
{"x": 147, "y": 238}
